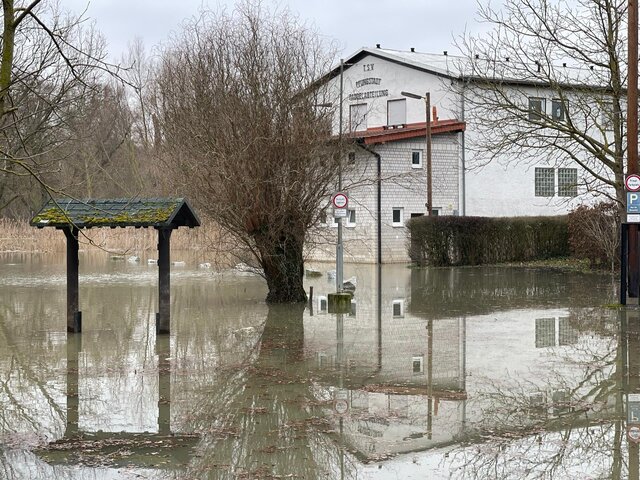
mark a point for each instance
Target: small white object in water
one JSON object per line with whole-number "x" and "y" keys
{"x": 204, "y": 265}
{"x": 133, "y": 259}
{"x": 152, "y": 261}
{"x": 179, "y": 263}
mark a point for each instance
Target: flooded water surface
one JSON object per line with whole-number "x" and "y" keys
{"x": 490, "y": 372}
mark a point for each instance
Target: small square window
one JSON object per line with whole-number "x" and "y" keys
{"x": 567, "y": 182}
{"x": 397, "y": 308}
{"x": 351, "y": 158}
{"x": 558, "y": 109}
{"x": 545, "y": 180}
{"x": 416, "y": 159}
{"x": 537, "y": 108}
{"x": 396, "y": 219}
{"x": 351, "y": 217}
{"x": 417, "y": 363}
{"x": 354, "y": 309}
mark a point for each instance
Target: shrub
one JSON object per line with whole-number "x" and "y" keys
{"x": 594, "y": 234}
{"x": 444, "y": 241}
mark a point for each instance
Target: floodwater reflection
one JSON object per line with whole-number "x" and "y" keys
{"x": 444, "y": 373}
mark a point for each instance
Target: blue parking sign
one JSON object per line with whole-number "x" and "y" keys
{"x": 633, "y": 202}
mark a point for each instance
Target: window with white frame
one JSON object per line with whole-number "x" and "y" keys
{"x": 397, "y": 217}
{"x": 567, "y": 182}
{"x": 416, "y": 159}
{"x": 545, "y": 182}
{"x": 537, "y": 108}
{"x": 357, "y": 117}
{"x": 558, "y": 110}
{"x": 417, "y": 364}
{"x": 397, "y": 308}
{"x": 351, "y": 217}
{"x": 396, "y": 112}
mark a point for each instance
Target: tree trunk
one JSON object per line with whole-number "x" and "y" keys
{"x": 283, "y": 265}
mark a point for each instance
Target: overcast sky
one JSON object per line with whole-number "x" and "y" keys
{"x": 427, "y": 25}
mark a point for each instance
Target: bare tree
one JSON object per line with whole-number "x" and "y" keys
{"x": 570, "y": 56}
{"x": 51, "y": 61}
{"x": 240, "y": 138}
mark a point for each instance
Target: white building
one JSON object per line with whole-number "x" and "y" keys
{"x": 389, "y": 130}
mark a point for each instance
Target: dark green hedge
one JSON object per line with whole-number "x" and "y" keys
{"x": 444, "y": 241}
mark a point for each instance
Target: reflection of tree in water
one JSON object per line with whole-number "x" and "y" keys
{"x": 263, "y": 421}
{"x": 561, "y": 426}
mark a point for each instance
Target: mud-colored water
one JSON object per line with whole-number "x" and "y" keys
{"x": 505, "y": 373}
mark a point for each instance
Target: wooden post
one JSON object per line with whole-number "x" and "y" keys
{"x": 427, "y": 101}
{"x": 74, "y": 317}
{"x": 163, "y": 324}
{"x": 632, "y": 136}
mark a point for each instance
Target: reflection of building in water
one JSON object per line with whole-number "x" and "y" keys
{"x": 404, "y": 374}
{"x": 419, "y": 375}
{"x": 546, "y": 329}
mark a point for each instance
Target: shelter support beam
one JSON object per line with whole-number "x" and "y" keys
{"x": 163, "y": 322}
{"x": 74, "y": 316}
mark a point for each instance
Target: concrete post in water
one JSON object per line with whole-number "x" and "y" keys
{"x": 74, "y": 317}
{"x": 339, "y": 302}
{"x": 163, "y": 323}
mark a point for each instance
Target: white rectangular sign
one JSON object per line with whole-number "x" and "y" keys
{"x": 342, "y": 213}
{"x": 633, "y": 217}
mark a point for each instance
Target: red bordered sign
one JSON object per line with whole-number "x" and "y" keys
{"x": 632, "y": 182}
{"x": 340, "y": 200}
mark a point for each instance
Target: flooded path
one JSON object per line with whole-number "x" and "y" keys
{"x": 435, "y": 373}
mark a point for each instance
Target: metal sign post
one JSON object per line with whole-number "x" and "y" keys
{"x": 340, "y": 202}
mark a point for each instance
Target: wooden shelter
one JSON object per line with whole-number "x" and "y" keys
{"x": 71, "y": 215}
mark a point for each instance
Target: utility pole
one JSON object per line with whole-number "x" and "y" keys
{"x": 632, "y": 136}
{"x": 427, "y": 102}
{"x": 339, "y": 246}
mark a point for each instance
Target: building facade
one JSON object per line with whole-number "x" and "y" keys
{"x": 381, "y": 113}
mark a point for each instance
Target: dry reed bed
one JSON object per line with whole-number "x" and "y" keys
{"x": 17, "y": 236}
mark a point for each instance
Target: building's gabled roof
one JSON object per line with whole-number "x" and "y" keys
{"x": 405, "y": 132}
{"x": 479, "y": 70}
{"x": 116, "y": 212}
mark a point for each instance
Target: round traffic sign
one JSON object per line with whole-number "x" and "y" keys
{"x": 633, "y": 433}
{"x": 632, "y": 182}
{"x": 341, "y": 406}
{"x": 340, "y": 200}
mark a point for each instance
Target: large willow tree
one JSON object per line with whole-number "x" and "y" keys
{"x": 241, "y": 139}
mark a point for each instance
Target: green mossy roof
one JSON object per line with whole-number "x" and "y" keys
{"x": 116, "y": 212}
